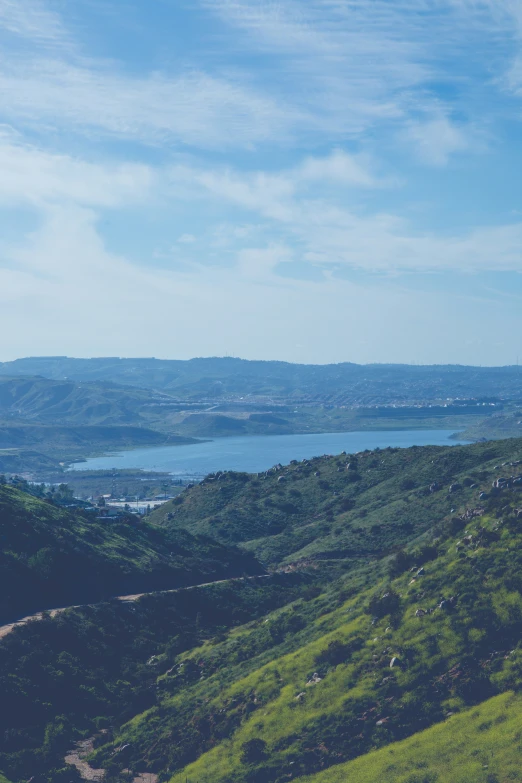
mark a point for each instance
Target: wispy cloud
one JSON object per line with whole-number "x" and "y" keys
{"x": 276, "y": 194}
{"x": 31, "y": 175}
{"x": 31, "y": 19}
{"x": 193, "y": 108}
{"x": 325, "y": 232}
{"x": 279, "y": 151}
{"x": 355, "y": 65}
{"x": 329, "y": 69}
{"x": 436, "y": 139}
{"x": 62, "y": 274}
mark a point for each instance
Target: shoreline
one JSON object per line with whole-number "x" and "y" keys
{"x": 252, "y": 453}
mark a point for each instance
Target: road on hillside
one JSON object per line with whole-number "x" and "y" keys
{"x": 6, "y": 629}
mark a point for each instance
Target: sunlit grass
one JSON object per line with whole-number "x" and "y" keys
{"x": 480, "y": 745}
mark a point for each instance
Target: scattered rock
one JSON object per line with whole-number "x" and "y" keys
{"x": 314, "y": 680}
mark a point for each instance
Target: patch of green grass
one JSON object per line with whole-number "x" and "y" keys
{"x": 479, "y": 745}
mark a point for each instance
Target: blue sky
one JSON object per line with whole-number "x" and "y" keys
{"x": 315, "y": 181}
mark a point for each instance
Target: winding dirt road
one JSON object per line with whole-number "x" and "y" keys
{"x": 6, "y": 629}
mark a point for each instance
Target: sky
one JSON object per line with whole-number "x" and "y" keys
{"x": 304, "y": 180}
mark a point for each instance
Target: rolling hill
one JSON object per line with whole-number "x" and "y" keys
{"x": 397, "y": 657}
{"x": 51, "y": 557}
{"x": 341, "y": 509}
{"x": 45, "y": 422}
{"x": 380, "y": 656}
{"x": 215, "y": 377}
{"x": 68, "y": 441}
{"x": 68, "y": 402}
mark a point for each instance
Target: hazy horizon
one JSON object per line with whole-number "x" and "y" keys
{"x": 256, "y": 359}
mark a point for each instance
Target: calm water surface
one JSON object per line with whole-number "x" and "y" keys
{"x": 255, "y": 453}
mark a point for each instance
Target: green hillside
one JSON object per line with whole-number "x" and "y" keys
{"x": 76, "y": 403}
{"x": 91, "y": 668}
{"x": 501, "y": 425}
{"x": 481, "y": 744}
{"x": 204, "y": 425}
{"x": 342, "y": 509}
{"x": 401, "y": 662}
{"x": 353, "y": 670}
{"x": 53, "y": 439}
{"x": 50, "y": 557}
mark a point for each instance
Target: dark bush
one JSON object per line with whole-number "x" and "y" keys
{"x": 381, "y": 605}
{"x": 338, "y": 652}
{"x": 254, "y": 751}
{"x": 399, "y": 563}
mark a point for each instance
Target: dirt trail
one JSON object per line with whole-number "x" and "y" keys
{"x": 6, "y": 629}
{"x": 76, "y": 758}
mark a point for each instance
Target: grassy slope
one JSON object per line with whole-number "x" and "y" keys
{"x": 46, "y": 421}
{"x": 20, "y": 461}
{"x": 304, "y": 419}
{"x": 50, "y": 557}
{"x": 42, "y": 449}
{"x": 65, "y": 443}
{"x": 481, "y": 744}
{"x": 95, "y": 666}
{"x": 291, "y": 514}
{"x": 249, "y": 687}
{"x": 67, "y": 402}
{"x": 244, "y": 684}
{"x": 502, "y": 425}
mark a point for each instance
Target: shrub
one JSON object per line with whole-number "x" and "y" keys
{"x": 337, "y": 652}
{"x": 381, "y": 605}
{"x": 254, "y": 751}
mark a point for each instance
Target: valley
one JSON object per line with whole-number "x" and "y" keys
{"x": 385, "y": 618}
{"x": 56, "y": 411}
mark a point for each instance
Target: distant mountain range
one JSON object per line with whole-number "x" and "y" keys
{"x": 345, "y": 383}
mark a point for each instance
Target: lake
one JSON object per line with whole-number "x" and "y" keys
{"x": 255, "y": 453}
